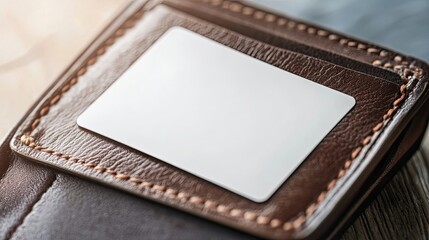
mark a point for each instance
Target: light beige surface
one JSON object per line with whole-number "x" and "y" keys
{"x": 38, "y": 40}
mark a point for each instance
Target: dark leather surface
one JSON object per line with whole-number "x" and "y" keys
{"x": 20, "y": 188}
{"x": 342, "y": 67}
{"x": 68, "y": 207}
{"x": 77, "y": 209}
{"x": 401, "y": 151}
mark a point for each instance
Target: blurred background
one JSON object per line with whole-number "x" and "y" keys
{"x": 39, "y": 39}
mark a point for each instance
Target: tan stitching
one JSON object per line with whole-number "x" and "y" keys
{"x": 281, "y": 21}
{"x": 293, "y": 224}
{"x": 92, "y": 60}
{"x": 259, "y": 15}
{"x": 275, "y": 223}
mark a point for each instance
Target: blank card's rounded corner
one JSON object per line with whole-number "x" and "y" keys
{"x": 176, "y": 28}
{"x": 352, "y": 100}
{"x": 260, "y": 198}
{"x": 80, "y": 122}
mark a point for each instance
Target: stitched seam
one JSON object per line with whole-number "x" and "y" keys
{"x": 82, "y": 70}
{"x": 240, "y": 8}
{"x": 21, "y": 222}
{"x": 407, "y": 73}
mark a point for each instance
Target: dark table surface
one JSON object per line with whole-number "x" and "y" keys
{"x": 401, "y": 210}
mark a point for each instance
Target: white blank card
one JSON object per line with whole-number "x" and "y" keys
{"x": 217, "y": 113}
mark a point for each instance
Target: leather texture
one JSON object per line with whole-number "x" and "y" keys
{"x": 389, "y": 89}
{"x": 60, "y": 206}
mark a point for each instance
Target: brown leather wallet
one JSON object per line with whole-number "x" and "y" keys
{"x": 318, "y": 200}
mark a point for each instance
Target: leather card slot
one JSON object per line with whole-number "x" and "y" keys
{"x": 274, "y": 31}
